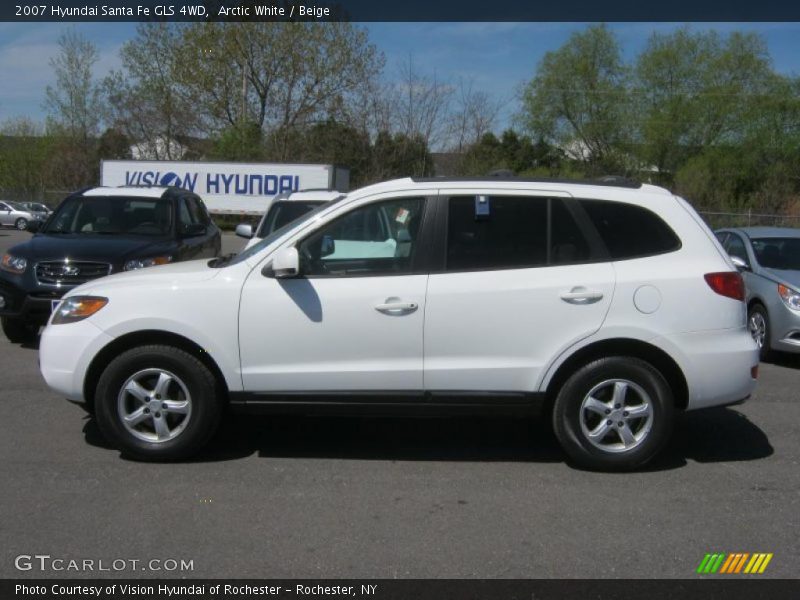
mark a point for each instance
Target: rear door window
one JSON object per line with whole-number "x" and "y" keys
{"x": 514, "y": 232}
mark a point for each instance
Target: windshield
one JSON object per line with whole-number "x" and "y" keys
{"x": 112, "y": 215}
{"x": 37, "y": 207}
{"x": 17, "y": 206}
{"x": 778, "y": 253}
{"x": 256, "y": 248}
{"x": 283, "y": 213}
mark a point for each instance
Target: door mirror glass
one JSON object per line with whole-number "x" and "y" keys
{"x": 286, "y": 263}
{"x": 33, "y": 226}
{"x": 244, "y": 230}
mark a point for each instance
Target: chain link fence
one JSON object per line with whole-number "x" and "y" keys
{"x": 750, "y": 218}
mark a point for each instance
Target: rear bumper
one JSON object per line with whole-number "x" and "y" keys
{"x": 717, "y": 365}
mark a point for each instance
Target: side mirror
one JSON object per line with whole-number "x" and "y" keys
{"x": 244, "y": 230}
{"x": 740, "y": 263}
{"x": 286, "y": 263}
{"x": 34, "y": 226}
{"x": 327, "y": 246}
{"x": 194, "y": 230}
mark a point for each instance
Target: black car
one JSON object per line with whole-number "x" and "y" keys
{"x": 94, "y": 233}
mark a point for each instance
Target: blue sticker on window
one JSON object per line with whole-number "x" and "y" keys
{"x": 482, "y": 207}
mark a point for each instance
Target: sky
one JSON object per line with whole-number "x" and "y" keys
{"x": 495, "y": 57}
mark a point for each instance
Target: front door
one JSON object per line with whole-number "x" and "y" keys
{"x": 353, "y": 319}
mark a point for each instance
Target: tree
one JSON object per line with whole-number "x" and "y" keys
{"x": 242, "y": 141}
{"x": 113, "y": 145}
{"x": 24, "y": 151}
{"x": 74, "y": 103}
{"x": 473, "y": 115}
{"x": 420, "y": 105}
{"x": 511, "y": 152}
{"x": 696, "y": 90}
{"x": 399, "y": 155}
{"x": 578, "y": 99}
{"x": 280, "y": 76}
{"x": 145, "y": 100}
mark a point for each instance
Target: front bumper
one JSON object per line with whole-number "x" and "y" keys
{"x": 33, "y": 307}
{"x": 65, "y": 353}
{"x": 784, "y": 327}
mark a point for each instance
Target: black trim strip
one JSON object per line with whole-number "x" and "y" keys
{"x": 382, "y": 401}
{"x": 610, "y": 181}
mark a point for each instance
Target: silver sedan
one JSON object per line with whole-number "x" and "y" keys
{"x": 769, "y": 260}
{"x": 16, "y": 215}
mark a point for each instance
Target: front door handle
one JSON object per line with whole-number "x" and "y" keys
{"x": 581, "y": 295}
{"x": 395, "y": 306}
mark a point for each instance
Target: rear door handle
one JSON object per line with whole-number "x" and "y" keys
{"x": 581, "y": 295}
{"x": 395, "y": 306}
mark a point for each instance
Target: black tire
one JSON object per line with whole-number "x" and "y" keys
{"x": 206, "y": 403}
{"x": 758, "y": 311}
{"x": 21, "y": 224}
{"x": 19, "y": 331}
{"x": 568, "y": 414}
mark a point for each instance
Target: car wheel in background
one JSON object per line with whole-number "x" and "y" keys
{"x": 21, "y": 224}
{"x": 614, "y": 414}
{"x": 19, "y": 331}
{"x": 758, "y": 324}
{"x": 157, "y": 403}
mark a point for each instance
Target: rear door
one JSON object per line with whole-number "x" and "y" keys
{"x": 522, "y": 278}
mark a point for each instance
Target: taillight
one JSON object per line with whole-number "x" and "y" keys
{"x": 729, "y": 284}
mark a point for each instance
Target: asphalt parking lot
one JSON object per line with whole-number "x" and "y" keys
{"x": 287, "y": 497}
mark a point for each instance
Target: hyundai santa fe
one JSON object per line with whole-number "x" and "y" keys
{"x": 95, "y": 232}
{"x": 609, "y": 306}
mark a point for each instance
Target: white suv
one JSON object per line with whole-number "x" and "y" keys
{"x": 608, "y": 304}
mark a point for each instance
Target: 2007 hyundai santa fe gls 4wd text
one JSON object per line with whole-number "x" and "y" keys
{"x": 610, "y": 305}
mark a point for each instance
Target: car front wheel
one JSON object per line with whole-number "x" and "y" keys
{"x": 157, "y": 403}
{"x": 21, "y": 224}
{"x": 614, "y": 414}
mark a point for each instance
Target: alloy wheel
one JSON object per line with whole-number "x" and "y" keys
{"x": 616, "y": 415}
{"x": 154, "y": 405}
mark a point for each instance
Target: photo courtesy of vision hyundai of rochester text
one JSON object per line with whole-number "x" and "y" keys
{"x": 499, "y": 295}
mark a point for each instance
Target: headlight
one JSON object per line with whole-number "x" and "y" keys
{"x": 78, "y": 308}
{"x": 13, "y": 264}
{"x": 790, "y": 297}
{"x": 141, "y": 263}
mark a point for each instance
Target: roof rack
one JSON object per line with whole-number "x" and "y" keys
{"x": 608, "y": 180}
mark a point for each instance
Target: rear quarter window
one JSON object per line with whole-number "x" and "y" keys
{"x": 630, "y": 231}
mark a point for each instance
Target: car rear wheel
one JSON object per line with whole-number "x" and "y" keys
{"x": 614, "y": 414}
{"x": 758, "y": 324}
{"x": 21, "y": 224}
{"x": 19, "y": 331}
{"x": 157, "y": 403}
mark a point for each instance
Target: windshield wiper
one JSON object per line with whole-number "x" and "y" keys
{"x": 222, "y": 260}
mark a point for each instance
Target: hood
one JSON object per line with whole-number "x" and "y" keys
{"x": 172, "y": 275}
{"x": 790, "y": 278}
{"x": 93, "y": 248}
